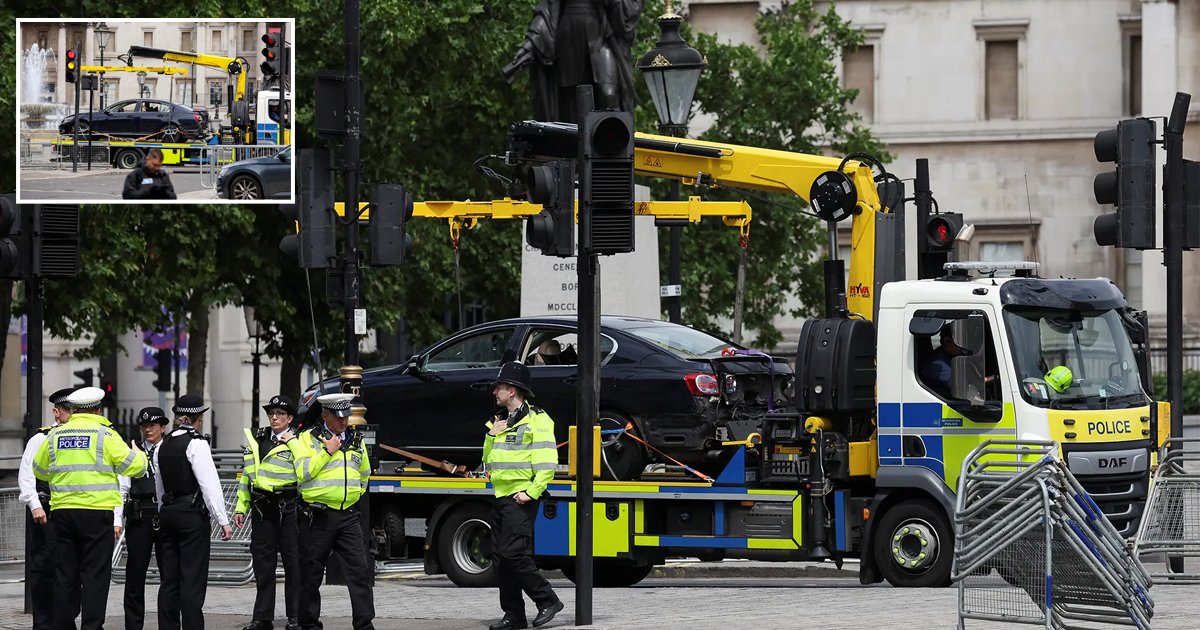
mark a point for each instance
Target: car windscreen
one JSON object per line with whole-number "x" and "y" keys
{"x": 683, "y": 342}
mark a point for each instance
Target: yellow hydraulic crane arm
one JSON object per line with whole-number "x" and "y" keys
{"x": 715, "y": 164}
{"x": 466, "y": 214}
{"x": 235, "y": 66}
{"x": 153, "y": 69}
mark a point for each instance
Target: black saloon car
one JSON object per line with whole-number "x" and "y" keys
{"x": 141, "y": 118}
{"x": 257, "y": 178}
{"x": 681, "y": 390}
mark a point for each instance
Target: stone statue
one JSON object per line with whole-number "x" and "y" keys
{"x": 578, "y": 42}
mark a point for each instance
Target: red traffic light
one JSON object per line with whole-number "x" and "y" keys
{"x": 71, "y": 55}
{"x": 269, "y": 39}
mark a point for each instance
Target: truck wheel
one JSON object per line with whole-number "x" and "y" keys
{"x": 463, "y": 546}
{"x": 393, "y": 529}
{"x": 613, "y": 575}
{"x": 624, "y": 458}
{"x": 127, "y": 158}
{"x": 914, "y": 545}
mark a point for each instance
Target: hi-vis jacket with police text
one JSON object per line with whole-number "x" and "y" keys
{"x": 81, "y": 460}
{"x": 523, "y": 456}
{"x": 336, "y": 480}
{"x": 269, "y": 472}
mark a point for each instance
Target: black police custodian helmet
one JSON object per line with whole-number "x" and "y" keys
{"x": 149, "y": 415}
{"x": 515, "y": 374}
{"x": 280, "y": 402}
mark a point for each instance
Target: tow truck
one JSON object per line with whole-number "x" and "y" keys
{"x": 863, "y": 459}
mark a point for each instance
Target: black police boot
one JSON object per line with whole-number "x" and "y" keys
{"x": 546, "y": 614}
{"x": 292, "y": 624}
{"x": 508, "y": 623}
{"x": 258, "y": 625}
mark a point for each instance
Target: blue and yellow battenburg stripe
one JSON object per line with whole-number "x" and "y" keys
{"x": 946, "y": 436}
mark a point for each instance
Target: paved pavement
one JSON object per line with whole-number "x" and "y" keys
{"x": 414, "y": 601}
{"x": 102, "y": 183}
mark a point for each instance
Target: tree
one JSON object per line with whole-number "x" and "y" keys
{"x": 784, "y": 96}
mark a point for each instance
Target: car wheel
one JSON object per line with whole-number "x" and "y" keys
{"x": 612, "y": 576}
{"x": 623, "y": 458}
{"x": 244, "y": 187}
{"x": 85, "y": 131}
{"x": 464, "y": 545}
{"x": 127, "y": 158}
{"x": 171, "y": 133}
{"x": 914, "y": 545}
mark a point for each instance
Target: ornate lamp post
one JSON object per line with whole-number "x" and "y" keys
{"x": 672, "y": 70}
{"x": 103, "y": 33}
{"x": 254, "y": 329}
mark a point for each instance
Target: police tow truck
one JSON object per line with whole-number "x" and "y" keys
{"x": 894, "y": 387}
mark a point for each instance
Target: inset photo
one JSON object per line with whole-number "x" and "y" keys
{"x": 153, "y": 111}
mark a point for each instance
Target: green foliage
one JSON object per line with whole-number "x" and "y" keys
{"x": 783, "y": 95}
{"x": 1191, "y": 390}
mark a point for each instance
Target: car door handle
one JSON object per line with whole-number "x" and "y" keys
{"x": 481, "y": 386}
{"x": 571, "y": 380}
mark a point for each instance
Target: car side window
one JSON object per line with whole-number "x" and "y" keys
{"x": 123, "y": 108}
{"x": 555, "y": 346}
{"x": 150, "y": 107}
{"x": 482, "y": 350}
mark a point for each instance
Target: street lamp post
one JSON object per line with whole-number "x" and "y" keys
{"x": 254, "y": 329}
{"x": 672, "y": 70}
{"x": 103, "y": 33}
{"x": 141, "y": 83}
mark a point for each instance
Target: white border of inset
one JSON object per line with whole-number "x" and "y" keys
{"x": 291, "y": 39}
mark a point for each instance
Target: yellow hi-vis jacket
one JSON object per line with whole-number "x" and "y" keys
{"x": 336, "y": 480}
{"x": 523, "y": 456}
{"x": 81, "y": 460}
{"x": 271, "y": 472}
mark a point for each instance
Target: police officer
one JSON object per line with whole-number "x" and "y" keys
{"x": 40, "y": 542}
{"x": 189, "y": 491}
{"x": 81, "y": 460}
{"x": 520, "y": 455}
{"x": 332, "y": 470}
{"x": 141, "y": 520}
{"x": 268, "y": 486}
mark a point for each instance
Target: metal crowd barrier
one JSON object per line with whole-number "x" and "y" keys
{"x": 220, "y": 155}
{"x": 1171, "y": 524}
{"x": 229, "y": 560}
{"x": 12, "y": 527}
{"x": 1058, "y": 562}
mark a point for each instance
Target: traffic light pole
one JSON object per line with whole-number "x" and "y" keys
{"x": 1173, "y": 259}
{"x": 588, "y": 297}
{"x": 33, "y": 371}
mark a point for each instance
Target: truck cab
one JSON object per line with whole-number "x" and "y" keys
{"x": 963, "y": 360}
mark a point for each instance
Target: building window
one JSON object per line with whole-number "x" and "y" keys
{"x": 78, "y": 42}
{"x": 215, "y": 93}
{"x": 1002, "y": 251}
{"x": 148, "y": 39}
{"x": 43, "y": 39}
{"x": 1004, "y": 242}
{"x": 186, "y": 41}
{"x": 216, "y": 41}
{"x": 1132, "y": 280}
{"x": 859, "y": 74}
{"x": 1134, "y": 75}
{"x": 183, "y": 91}
{"x": 1001, "y": 80}
{"x": 247, "y": 40}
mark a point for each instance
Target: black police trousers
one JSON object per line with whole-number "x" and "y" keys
{"x": 275, "y": 531}
{"x": 512, "y": 549}
{"x": 40, "y": 542}
{"x": 183, "y": 560}
{"x": 141, "y": 539}
{"x": 83, "y": 559}
{"x": 322, "y": 532}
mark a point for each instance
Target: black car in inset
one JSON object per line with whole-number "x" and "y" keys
{"x": 257, "y": 178}
{"x": 681, "y": 390}
{"x": 141, "y": 118}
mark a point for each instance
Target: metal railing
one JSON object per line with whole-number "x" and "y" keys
{"x": 1171, "y": 524}
{"x": 1158, "y": 359}
{"x": 220, "y": 155}
{"x": 12, "y": 528}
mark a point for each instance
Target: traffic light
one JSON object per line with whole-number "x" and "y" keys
{"x": 272, "y": 53}
{"x": 1191, "y": 204}
{"x": 162, "y": 370}
{"x": 72, "y": 66}
{"x": 314, "y": 247}
{"x": 940, "y": 231}
{"x": 108, "y": 379}
{"x": 15, "y": 248}
{"x": 391, "y": 207}
{"x": 606, "y": 183}
{"x": 1131, "y": 186}
{"x": 86, "y": 376}
{"x": 56, "y": 241}
{"x": 553, "y": 229}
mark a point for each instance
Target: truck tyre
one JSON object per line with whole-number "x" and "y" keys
{"x": 624, "y": 458}
{"x": 127, "y": 158}
{"x": 914, "y": 545}
{"x": 393, "y": 529}
{"x": 613, "y": 575}
{"x": 464, "y": 548}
